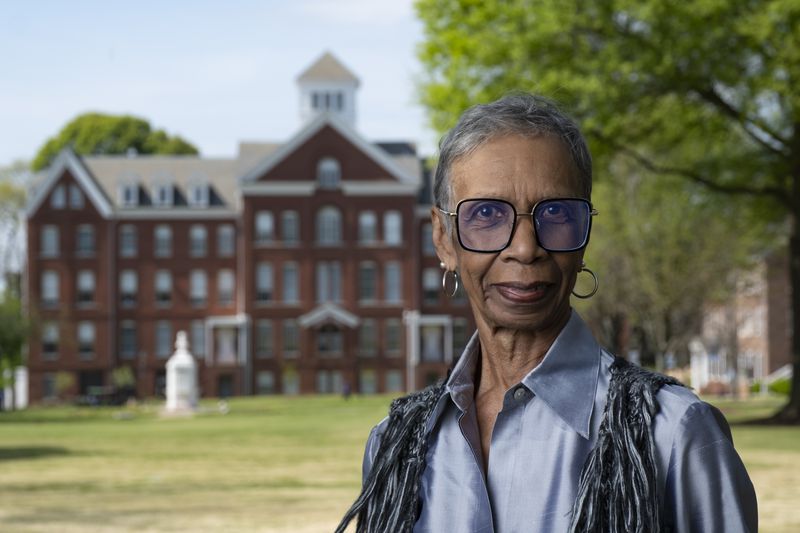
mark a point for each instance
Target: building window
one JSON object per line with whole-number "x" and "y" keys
{"x": 226, "y": 285}
{"x": 329, "y": 281}
{"x": 58, "y": 198}
{"x": 291, "y": 282}
{"x": 85, "y": 240}
{"x": 392, "y": 287}
{"x": 49, "y": 390}
{"x": 264, "y": 338}
{"x": 460, "y": 335}
{"x": 367, "y": 383}
{"x": 393, "y": 332}
{"x": 163, "y": 238}
{"x": 198, "y": 337}
{"x": 329, "y": 226}
{"x": 198, "y": 194}
{"x": 265, "y": 382}
{"x": 128, "y": 345}
{"x": 162, "y": 195}
{"x": 394, "y": 381}
{"x": 163, "y": 338}
{"x": 226, "y": 240}
{"x": 50, "y": 292}
{"x": 432, "y": 346}
{"x": 393, "y": 228}
{"x": 128, "y": 242}
{"x": 48, "y": 245}
{"x": 291, "y": 338}
{"x": 368, "y": 338}
{"x": 129, "y": 195}
{"x": 75, "y": 197}
{"x": 198, "y": 241}
{"x": 367, "y": 281}
{"x": 85, "y": 339}
{"x": 367, "y": 227}
{"x": 290, "y": 381}
{"x": 329, "y": 341}
{"x": 50, "y": 336}
{"x": 431, "y": 285}
{"x": 86, "y": 286}
{"x": 198, "y": 288}
{"x": 163, "y": 286}
{"x": 128, "y": 287}
{"x": 265, "y": 226}
{"x": 329, "y": 173}
{"x": 427, "y": 240}
{"x": 290, "y": 227}
{"x": 264, "y": 282}
{"x": 329, "y": 382}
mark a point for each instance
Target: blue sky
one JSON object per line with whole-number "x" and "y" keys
{"x": 215, "y": 73}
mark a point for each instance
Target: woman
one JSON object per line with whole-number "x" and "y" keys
{"x": 537, "y": 428}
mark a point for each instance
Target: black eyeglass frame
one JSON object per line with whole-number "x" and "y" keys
{"x": 592, "y": 213}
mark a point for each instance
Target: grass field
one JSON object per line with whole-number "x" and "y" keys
{"x": 269, "y": 464}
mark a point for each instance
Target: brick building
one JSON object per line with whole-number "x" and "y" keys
{"x": 295, "y": 267}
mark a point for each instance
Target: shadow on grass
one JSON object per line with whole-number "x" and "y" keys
{"x": 31, "y": 452}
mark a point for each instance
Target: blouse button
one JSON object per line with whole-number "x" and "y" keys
{"x": 520, "y": 393}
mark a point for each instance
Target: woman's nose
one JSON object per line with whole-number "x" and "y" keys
{"x": 524, "y": 247}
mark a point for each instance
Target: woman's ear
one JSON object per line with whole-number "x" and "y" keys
{"x": 443, "y": 240}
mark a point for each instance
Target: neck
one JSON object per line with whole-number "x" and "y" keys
{"x": 508, "y": 355}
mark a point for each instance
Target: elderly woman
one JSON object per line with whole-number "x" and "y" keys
{"x": 538, "y": 428}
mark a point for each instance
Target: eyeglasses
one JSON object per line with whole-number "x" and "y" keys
{"x": 486, "y": 225}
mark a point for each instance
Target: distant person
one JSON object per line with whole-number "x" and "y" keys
{"x": 346, "y": 390}
{"x": 538, "y": 428}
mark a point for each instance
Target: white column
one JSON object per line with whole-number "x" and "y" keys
{"x": 411, "y": 320}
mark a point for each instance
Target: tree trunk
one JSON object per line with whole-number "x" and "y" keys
{"x": 791, "y": 411}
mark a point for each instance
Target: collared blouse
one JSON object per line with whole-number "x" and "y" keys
{"x": 541, "y": 438}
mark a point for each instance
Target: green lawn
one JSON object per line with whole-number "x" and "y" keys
{"x": 269, "y": 464}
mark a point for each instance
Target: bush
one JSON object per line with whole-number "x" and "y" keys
{"x": 780, "y": 386}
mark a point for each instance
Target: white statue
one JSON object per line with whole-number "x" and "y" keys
{"x": 181, "y": 378}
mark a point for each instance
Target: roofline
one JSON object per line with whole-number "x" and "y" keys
{"x": 313, "y": 127}
{"x": 69, "y": 160}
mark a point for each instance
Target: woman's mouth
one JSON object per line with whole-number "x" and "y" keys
{"x": 524, "y": 293}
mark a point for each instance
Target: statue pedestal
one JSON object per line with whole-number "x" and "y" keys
{"x": 182, "y": 389}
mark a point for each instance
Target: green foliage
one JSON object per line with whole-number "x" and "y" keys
{"x": 781, "y": 386}
{"x": 14, "y": 328}
{"x": 122, "y": 377}
{"x": 96, "y": 133}
{"x": 64, "y": 382}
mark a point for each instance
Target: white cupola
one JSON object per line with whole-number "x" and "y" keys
{"x": 327, "y": 86}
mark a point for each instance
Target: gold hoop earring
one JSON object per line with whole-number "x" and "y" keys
{"x": 451, "y": 275}
{"x": 594, "y": 289}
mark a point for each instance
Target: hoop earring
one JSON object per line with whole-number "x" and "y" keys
{"x": 453, "y": 275}
{"x": 594, "y": 289}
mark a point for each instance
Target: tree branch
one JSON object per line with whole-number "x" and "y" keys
{"x": 776, "y": 193}
{"x": 714, "y": 98}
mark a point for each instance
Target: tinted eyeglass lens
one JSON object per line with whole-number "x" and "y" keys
{"x": 562, "y": 224}
{"x": 485, "y": 225}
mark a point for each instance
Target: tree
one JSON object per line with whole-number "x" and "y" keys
{"x": 96, "y": 133}
{"x": 704, "y": 90}
{"x": 14, "y": 328}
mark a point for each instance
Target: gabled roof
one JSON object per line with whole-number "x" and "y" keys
{"x": 67, "y": 160}
{"x": 327, "y": 69}
{"x": 375, "y": 153}
{"x": 328, "y": 313}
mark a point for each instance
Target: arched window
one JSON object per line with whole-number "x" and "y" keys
{"x": 367, "y": 230}
{"x": 393, "y": 228}
{"x": 329, "y": 173}
{"x": 329, "y": 226}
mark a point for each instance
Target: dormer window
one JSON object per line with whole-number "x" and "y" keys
{"x": 58, "y": 198}
{"x": 329, "y": 173}
{"x": 163, "y": 194}
{"x": 198, "y": 194}
{"x": 129, "y": 194}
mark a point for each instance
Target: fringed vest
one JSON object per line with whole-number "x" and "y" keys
{"x": 617, "y": 490}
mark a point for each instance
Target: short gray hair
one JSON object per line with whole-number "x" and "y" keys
{"x": 516, "y": 114}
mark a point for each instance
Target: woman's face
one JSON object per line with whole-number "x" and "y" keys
{"x": 522, "y": 287}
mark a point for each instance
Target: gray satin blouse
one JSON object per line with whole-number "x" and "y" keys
{"x": 542, "y": 436}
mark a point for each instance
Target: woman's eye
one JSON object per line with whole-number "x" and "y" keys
{"x": 556, "y": 213}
